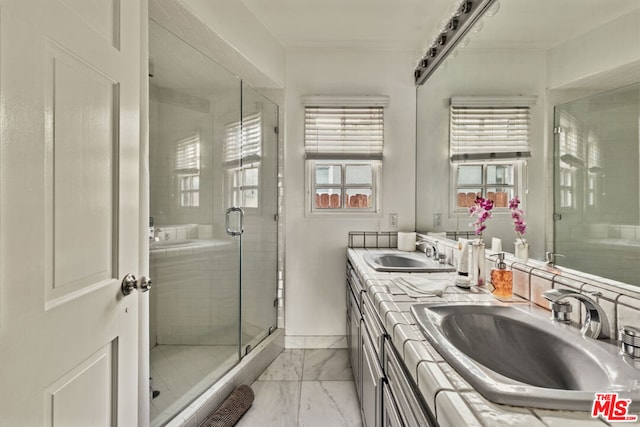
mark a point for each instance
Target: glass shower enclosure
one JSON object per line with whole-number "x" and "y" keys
{"x": 213, "y": 153}
{"x": 597, "y": 183}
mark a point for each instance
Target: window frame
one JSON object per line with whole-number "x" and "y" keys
{"x": 376, "y": 171}
{"x": 231, "y": 170}
{"x": 519, "y": 184}
{"x": 189, "y": 191}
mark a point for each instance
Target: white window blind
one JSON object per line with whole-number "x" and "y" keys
{"x": 344, "y": 132}
{"x": 243, "y": 140}
{"x": 188, "y": 155}
{"x": 488, "y": 128}
{"x": 572, "y": 140}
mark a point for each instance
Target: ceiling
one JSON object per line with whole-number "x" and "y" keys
{"x": 414, "y": 24}
{"x": 376, "y": 24}
{"x": 543, "y": 24}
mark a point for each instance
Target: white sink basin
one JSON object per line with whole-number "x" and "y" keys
{"x": 410, "y": 262}
{"x": 515, "y": 355}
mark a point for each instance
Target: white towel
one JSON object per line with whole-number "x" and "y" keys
{"x": 417, "y": 288}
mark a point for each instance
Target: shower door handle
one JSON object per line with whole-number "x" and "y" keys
{"x": 241, "y": 224}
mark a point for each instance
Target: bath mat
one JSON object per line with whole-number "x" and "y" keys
{"x": 231, "y": 409}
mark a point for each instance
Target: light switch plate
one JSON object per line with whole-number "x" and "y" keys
{"x": 393, "y": 221}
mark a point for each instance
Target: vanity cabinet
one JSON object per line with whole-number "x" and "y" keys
{"x": 372, "y": 378}
{"x": 354, "y": 325}
{"x": 387, "y": 394}
{"x": 408, "y": 406}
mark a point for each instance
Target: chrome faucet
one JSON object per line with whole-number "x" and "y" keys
{"x": 430, "y": 249}
{"x": 434, "y": 251}
{"x": 551, "y": 258}
{"x": 595, "y": 324}
{"x": 426, "y": 244}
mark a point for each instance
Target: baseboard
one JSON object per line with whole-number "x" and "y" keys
{"x": 315, "y": 341}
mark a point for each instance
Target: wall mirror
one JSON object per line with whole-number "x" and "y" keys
{"x": 577, "y": 64}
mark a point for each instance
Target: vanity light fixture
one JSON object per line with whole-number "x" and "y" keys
{"x": 467, "y": 14}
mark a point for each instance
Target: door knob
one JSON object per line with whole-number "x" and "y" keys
{"x": 145, "y": 284}
{"x": 129, "y": 283}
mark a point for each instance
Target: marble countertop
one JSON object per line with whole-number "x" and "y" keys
{"x": 451, "y": 399}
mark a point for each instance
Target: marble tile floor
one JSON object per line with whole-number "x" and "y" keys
{"x": 182, "y": 372}
{"x": 305, "y": 387}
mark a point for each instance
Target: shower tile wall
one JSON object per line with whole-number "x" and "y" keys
{"x": 195, "y": 303}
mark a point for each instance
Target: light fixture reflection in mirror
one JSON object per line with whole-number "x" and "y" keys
{"x": 493, "y": 9}
{"x": 530, "y": 50}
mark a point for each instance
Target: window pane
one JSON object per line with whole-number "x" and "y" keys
{"x": 358, "y": 174}
{"x": 195, "y": 183}
{"x": 500, "y": 196}
{"x": 467, "y": 197}
{"x": 470, "y": 175}
{"x": 500, "y": 174}
{"x": 185, "y": 199}
{"x": 251, "y": 198}
{"x": 251, "y": 176}
{"x": 358, "y": 198}
{"x": 328, "y": 174}
{"x": 328, "y": 198}
{"x": 195, "y": 199}
{"x": 184, "y": 182}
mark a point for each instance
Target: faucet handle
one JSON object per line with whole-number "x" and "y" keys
{"x": 551, "y": 257}
{"x": 629, "y": 338}
{"x": 561, "y": 311}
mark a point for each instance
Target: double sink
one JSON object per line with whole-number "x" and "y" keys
{"x": 513, "y": 353}
{"x": 410, "y": 262}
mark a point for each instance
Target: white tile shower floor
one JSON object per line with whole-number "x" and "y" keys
{"x": 182, "y": 372}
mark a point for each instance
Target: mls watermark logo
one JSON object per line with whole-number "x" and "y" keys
{"x": 611, "y": 408}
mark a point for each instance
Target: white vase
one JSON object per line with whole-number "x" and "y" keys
{"x": 478, "y": 265}
{"x": 521, "y": 249}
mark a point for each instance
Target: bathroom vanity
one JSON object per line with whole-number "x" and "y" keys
{"x": 400, "y": 377}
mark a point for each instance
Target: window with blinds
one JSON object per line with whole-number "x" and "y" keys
{"x": 343, "y": 147}
{"x": 343, "y": 132}
{"x": 571, "y": 140}
{"x": 243, "y": 143}
{"x": 243, "y": 139}
{"x": 187, "y": 158}
{"x": 489, "y": 128}
{"x": 187, "y": 169}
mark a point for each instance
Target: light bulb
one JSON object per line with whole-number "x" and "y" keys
{"x": 477, "y": 26}
{"x": 495, "y": 7}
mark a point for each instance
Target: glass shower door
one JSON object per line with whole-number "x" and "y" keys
{"x": 257, "y": 193}
{"x": 195, "y": 264}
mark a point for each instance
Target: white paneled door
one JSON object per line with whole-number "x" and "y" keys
{"x": 69, "y": 211}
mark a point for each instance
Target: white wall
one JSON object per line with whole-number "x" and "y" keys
{"x": 315, "y": 245}
{"x": 487, "y": 73}
{"x": 233, "y": 21}
{"x": 613, "y": 45}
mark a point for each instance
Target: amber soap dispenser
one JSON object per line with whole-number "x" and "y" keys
{"x": 501, "y": 279}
